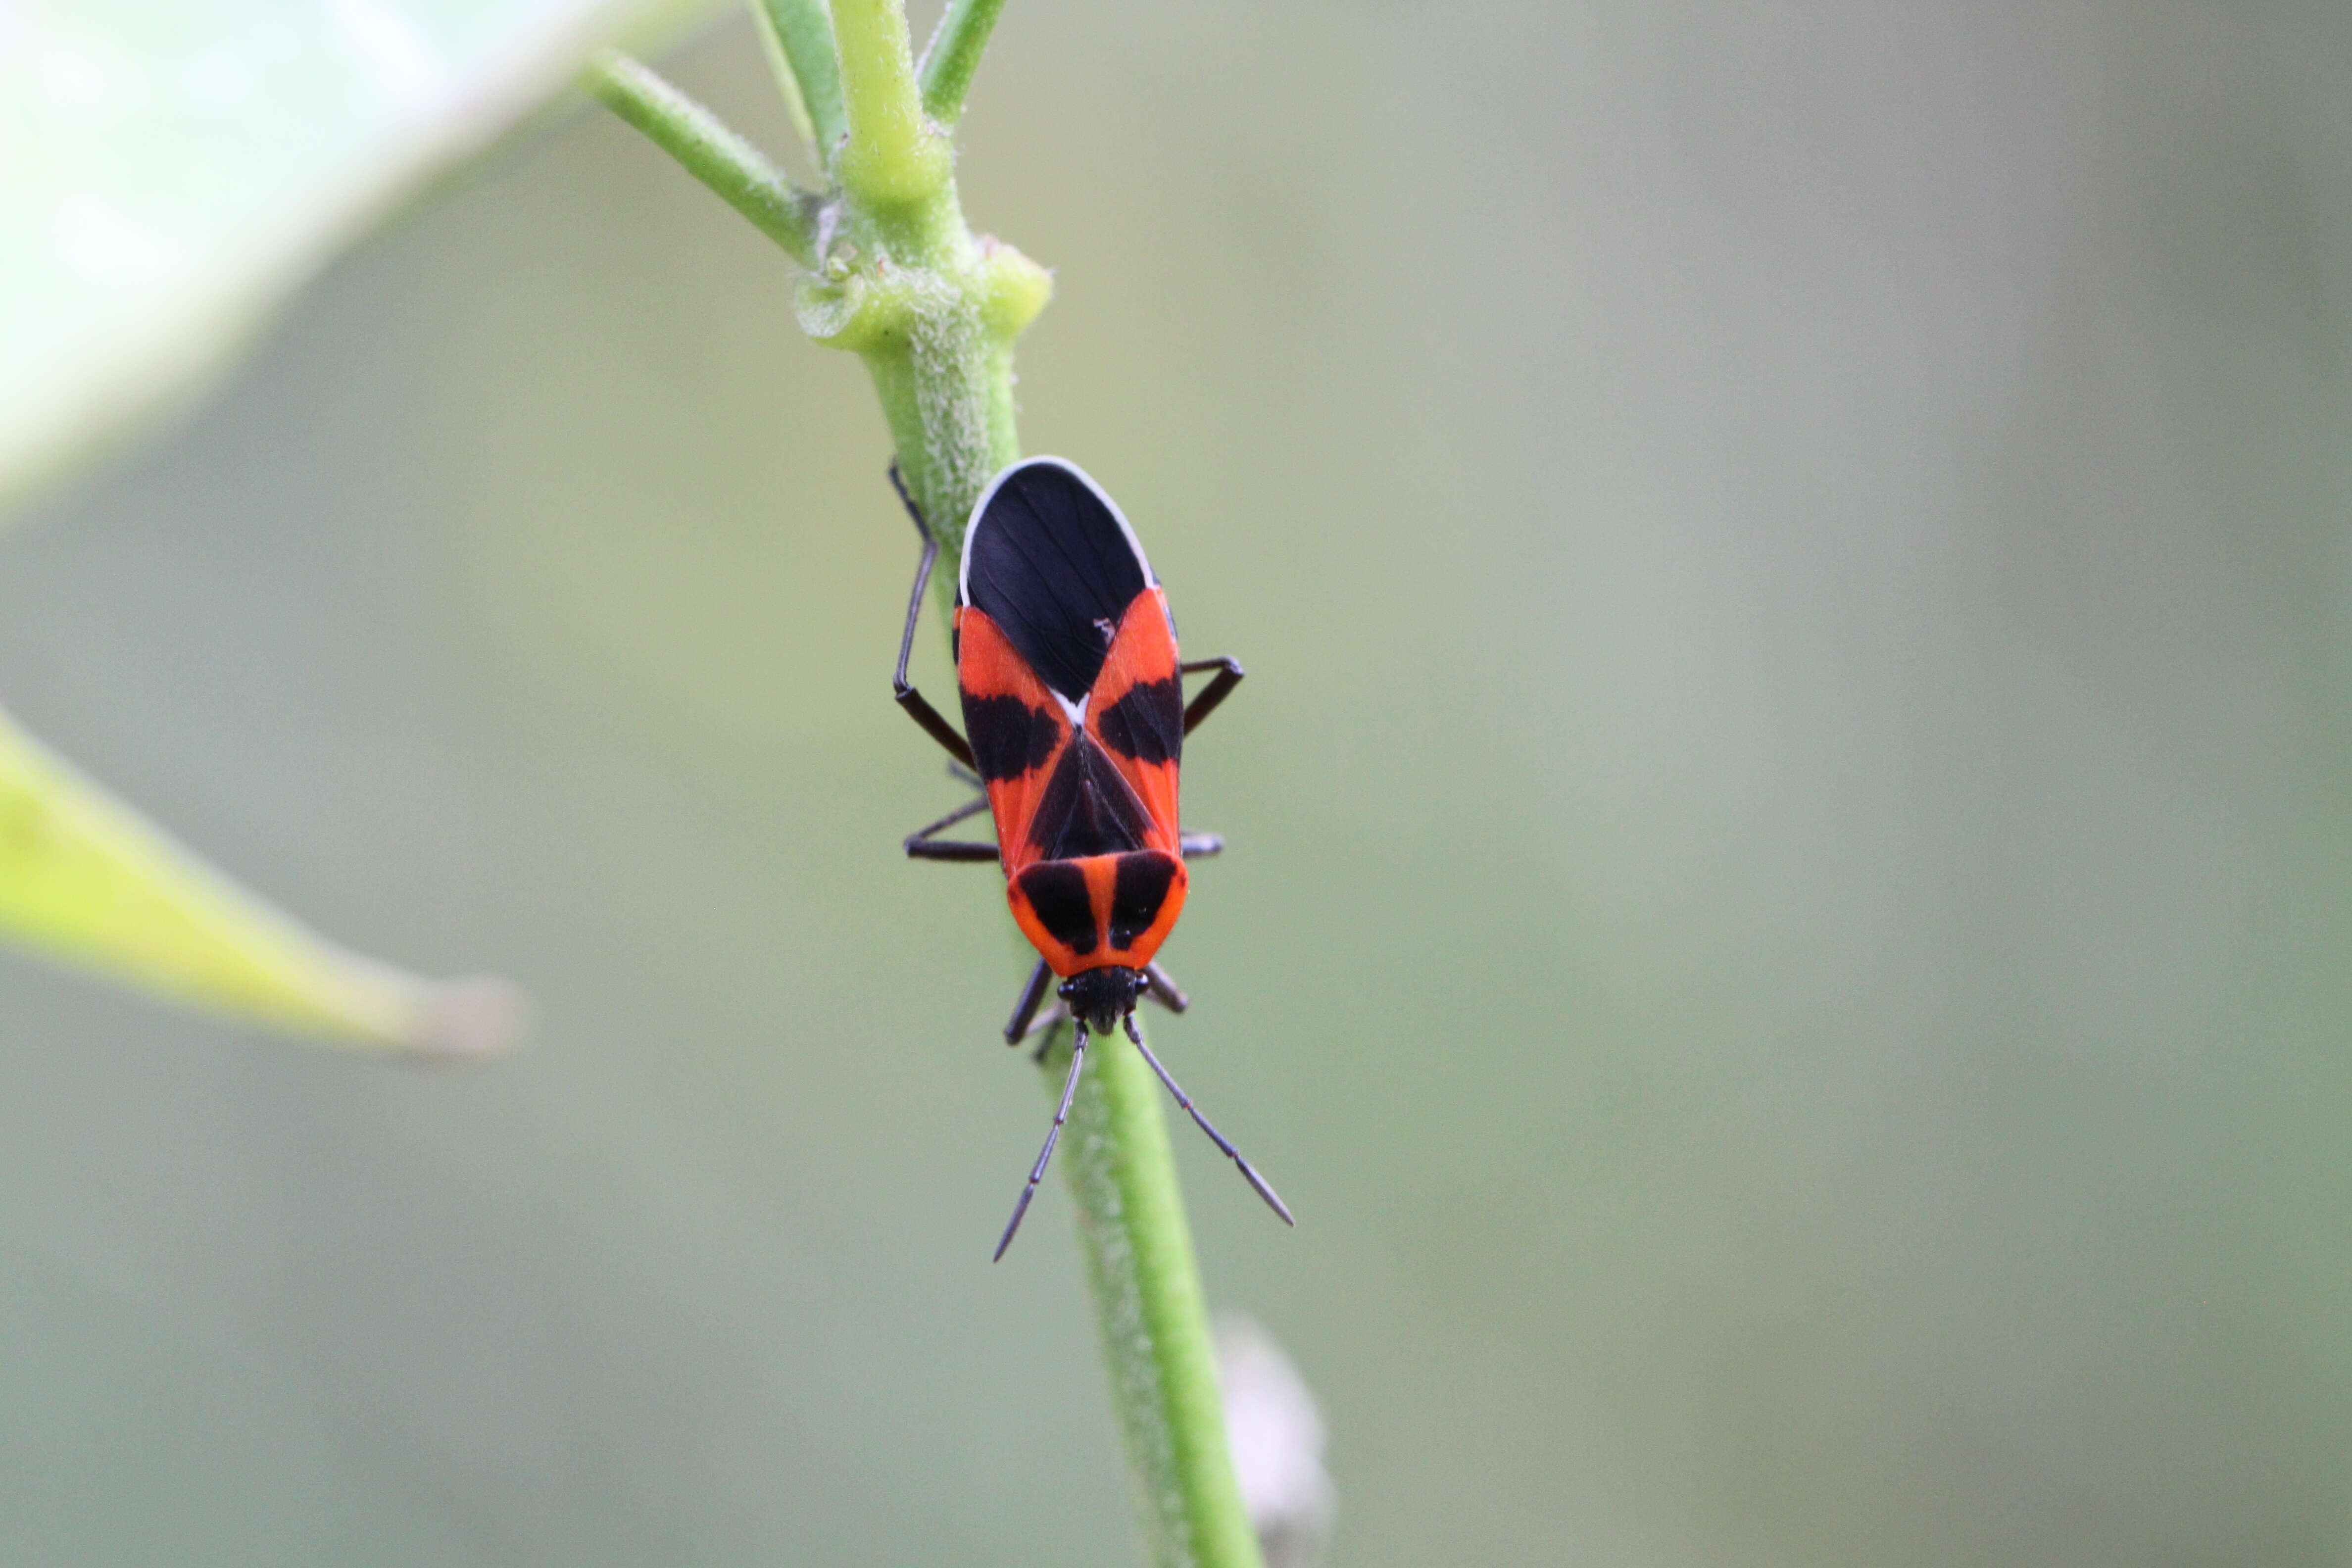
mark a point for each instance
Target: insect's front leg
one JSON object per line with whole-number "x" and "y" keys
{"x": 1164, "y": 990}
{"x": 1028, "y": 1020}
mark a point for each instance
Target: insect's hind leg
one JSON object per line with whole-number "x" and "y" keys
{"x": 1229, "y": 675}
{"x": 916, "y": 706}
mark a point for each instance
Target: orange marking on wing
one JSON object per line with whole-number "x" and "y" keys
{"x": 1144, "y": 649}
{"x": 988, "y": 666}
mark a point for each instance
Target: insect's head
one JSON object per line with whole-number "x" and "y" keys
{"x": 1099, "y": 998}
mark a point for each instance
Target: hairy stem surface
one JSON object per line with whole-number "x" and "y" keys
{"x": 953, "y": 54}
{"x": 801, "y": 32}
{"x": 709, "y": 152}
{"x": 1153, "y": 1320}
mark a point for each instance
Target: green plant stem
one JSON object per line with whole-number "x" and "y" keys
{"x": 897, "y": 168}
{"x": 708, "y": 150}
{"x": 934, "y": 314}
{"x": 802, "y": 32}
{"x": 788, "y": 84}
{"x": 946, "y": 393}
{"x": 1152, "y": 1318}
{"x": 952, "y": 55}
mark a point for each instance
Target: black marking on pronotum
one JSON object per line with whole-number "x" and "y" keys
{"x": 1147, "y": 723}
{"x": 1087, "y": 808}
{"x": 1050, "y": 560}
{"x": 1137, "y": 891}
{"x": 1058, "y": 891}
{"x": 1008, "y": 736}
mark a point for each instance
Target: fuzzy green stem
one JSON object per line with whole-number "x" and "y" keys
{"x": 949, "y": 400}
{"x": 709, "y": 152}
{"x": 803, "y": 34}
{"x": 953, "y": 54}
{"x": 1153, "y": 1320}
{"x": 897, "y": 167}
{"x": 788, "y": 81}
{"x": 933, "y": 312}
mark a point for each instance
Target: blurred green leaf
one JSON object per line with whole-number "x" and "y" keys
{"x": 86, "y": 878}
{"x": 170, "y": 168}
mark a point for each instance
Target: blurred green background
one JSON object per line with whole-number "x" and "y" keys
{"x": 1787, "y": 925}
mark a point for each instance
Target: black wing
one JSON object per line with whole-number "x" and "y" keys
{"x": 1049, "y": 560}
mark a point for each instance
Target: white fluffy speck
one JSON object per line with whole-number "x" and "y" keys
{"x": 1277, "y": 1438}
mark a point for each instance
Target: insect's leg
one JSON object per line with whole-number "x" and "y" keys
{"x": 1164, "y": 990}
{"x": 1026, "y": 1009}
{"x": 1042, "y": 1031}
{"x": 913, "y": 701}
{"x": 1053, "y": 1134}
{"x": 1257, "y": 1181}
{"x": 1229, "y": 675}
{"x": 1193, "y": 846}
{"x": 921, "y": 846}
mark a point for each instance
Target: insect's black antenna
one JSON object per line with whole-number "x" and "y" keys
{"x": 1069, "y": 1088}
{"x": 1257, "y": 1183}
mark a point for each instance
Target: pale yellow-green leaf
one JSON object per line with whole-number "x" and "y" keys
{"x": 85, "y": 879}
{"x": 169, "y": 169}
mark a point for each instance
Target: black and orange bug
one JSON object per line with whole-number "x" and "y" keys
{"x": 1073, "y": 698}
